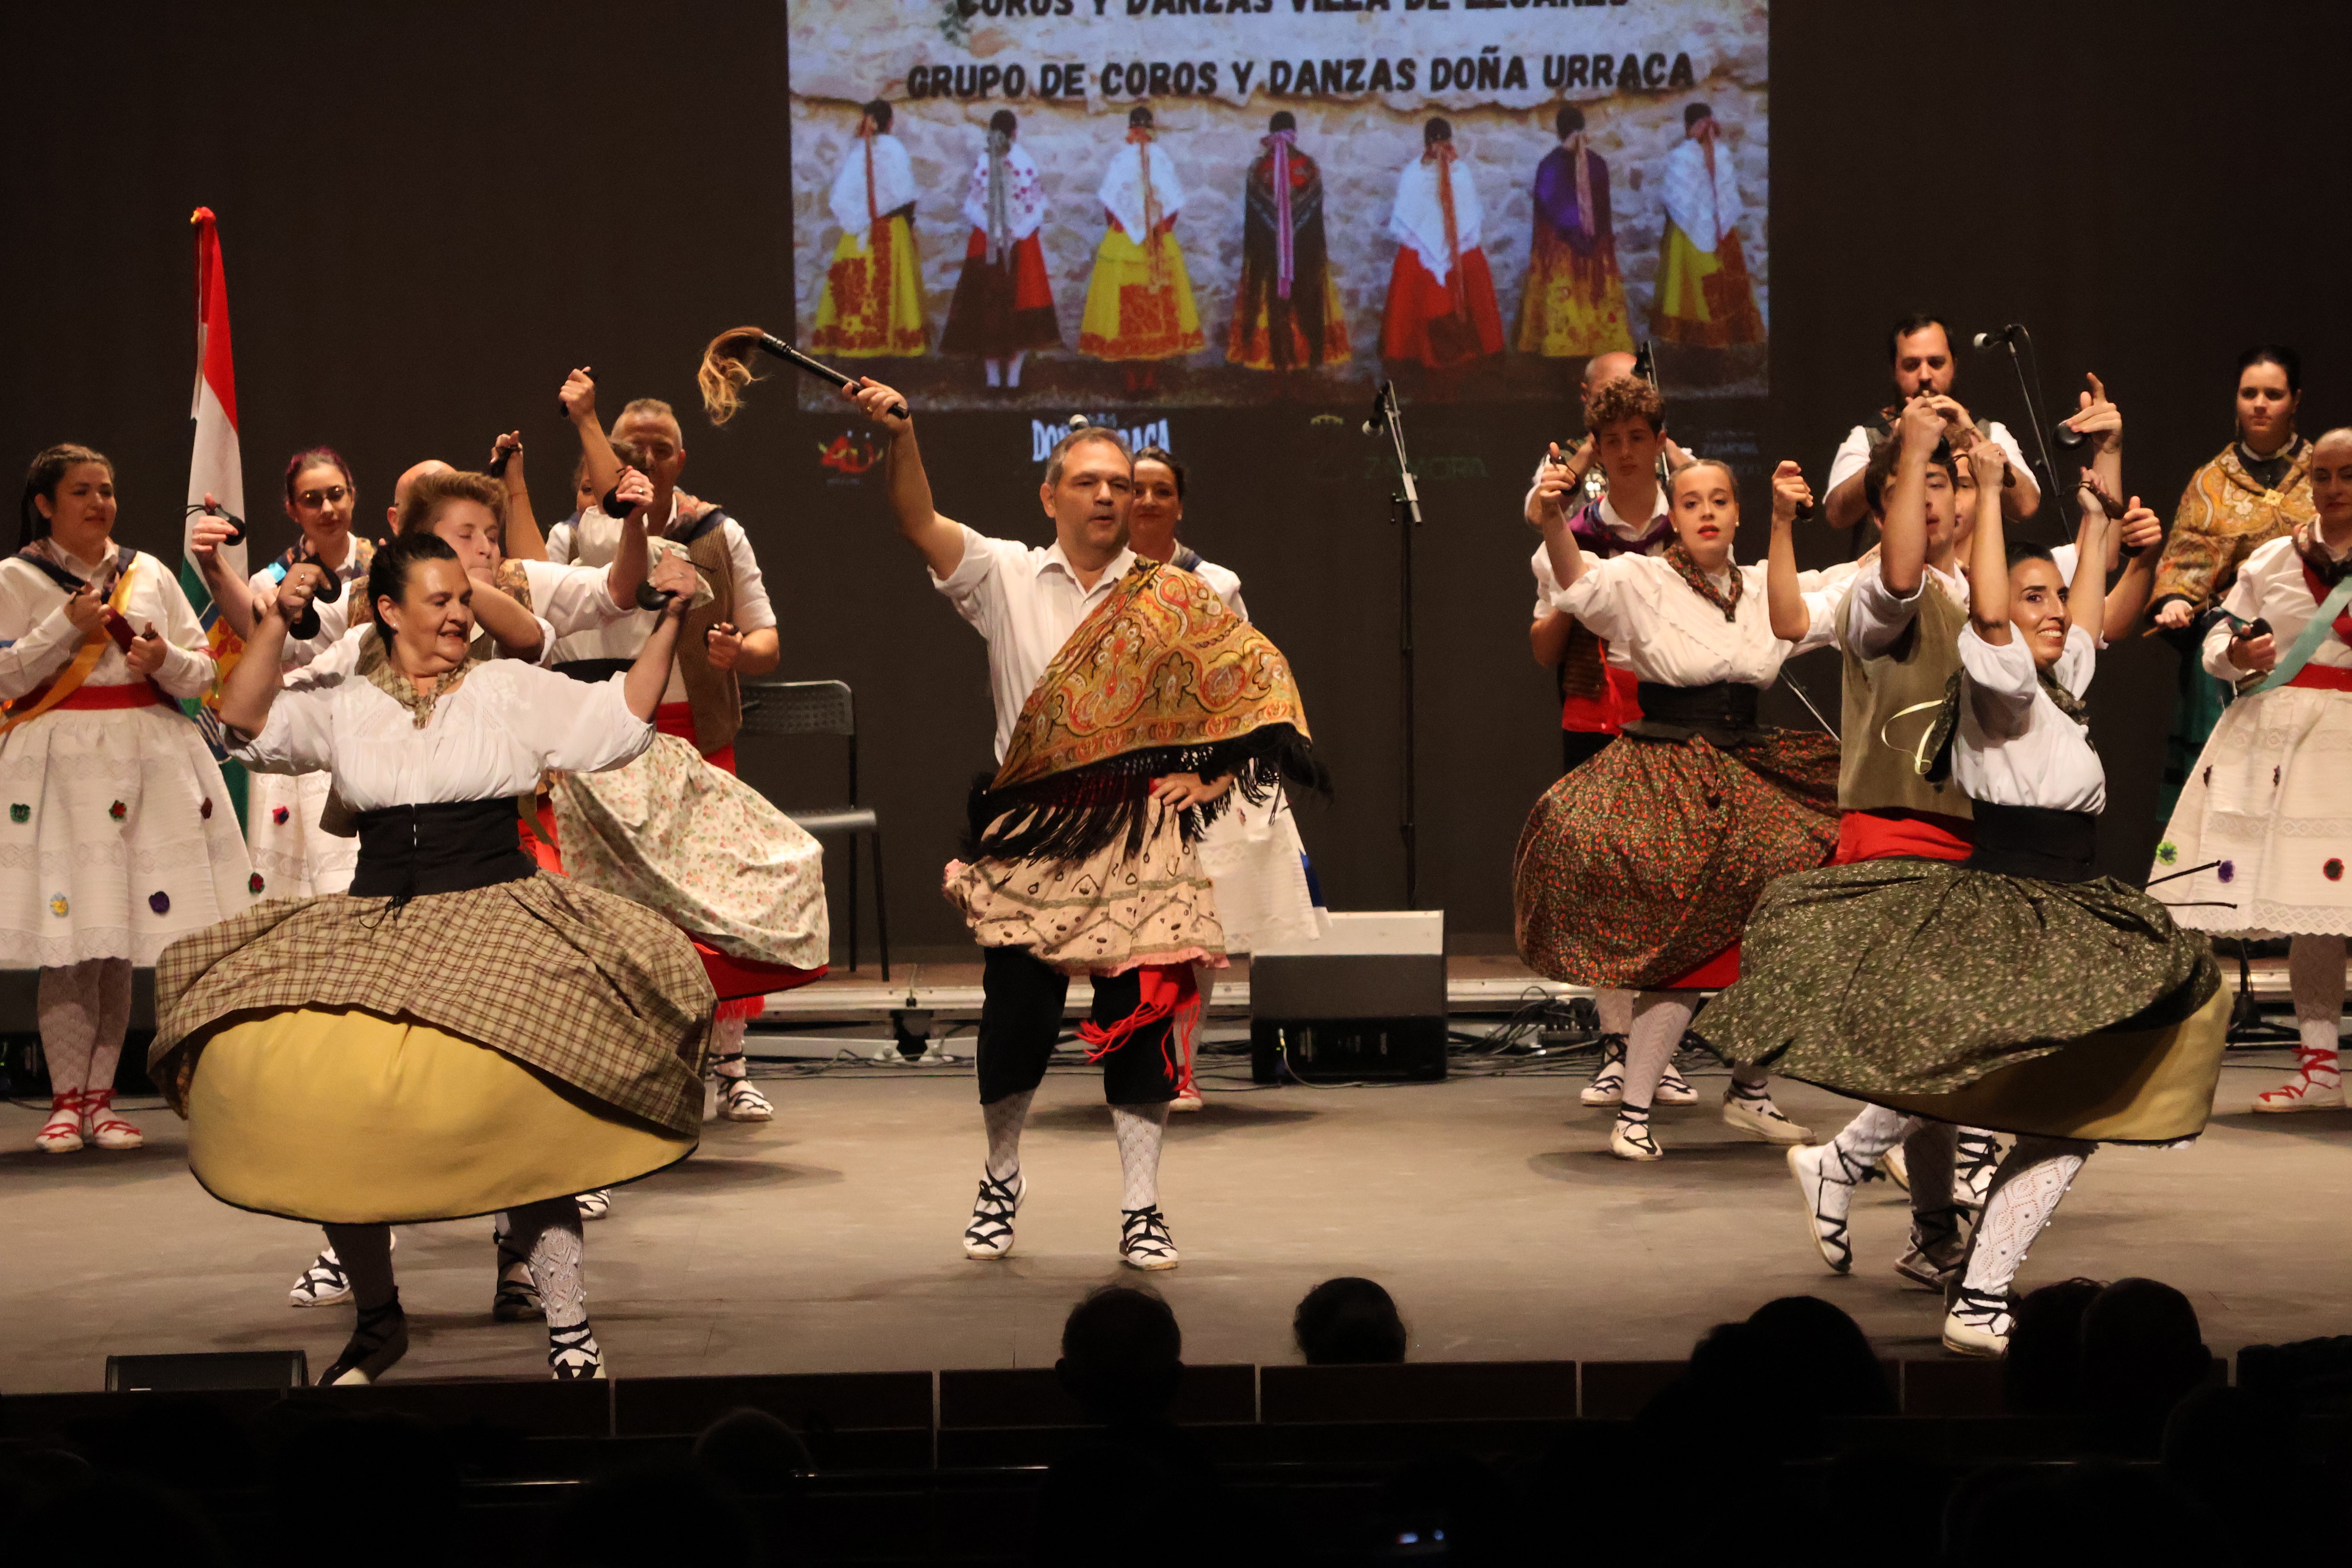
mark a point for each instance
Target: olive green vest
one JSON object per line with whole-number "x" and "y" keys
{"x": 1890, "y": 703}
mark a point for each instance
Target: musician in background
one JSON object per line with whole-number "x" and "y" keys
{"x": 1919, "y": 349}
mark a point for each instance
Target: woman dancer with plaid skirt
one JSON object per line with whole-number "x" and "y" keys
{"x": 335, "y": 1066}
{"x": 1637, "y": 870}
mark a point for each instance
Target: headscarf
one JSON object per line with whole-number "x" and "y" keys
{"x": 1279, "y": 144}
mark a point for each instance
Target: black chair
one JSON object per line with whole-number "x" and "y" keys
{"x": 827, "y": 708}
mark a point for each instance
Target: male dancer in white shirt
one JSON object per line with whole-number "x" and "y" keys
{"x": 1026, "y": 603}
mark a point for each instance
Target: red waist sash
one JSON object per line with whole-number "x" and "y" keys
{"x": 138, "y": 694}
{"x": 1872, "y": 835}
{"x": 2325, "y": 677}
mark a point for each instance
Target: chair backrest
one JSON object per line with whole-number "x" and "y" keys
{"x": 799, "y": 707}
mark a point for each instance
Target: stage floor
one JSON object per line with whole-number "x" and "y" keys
{"x": 827, "y": 1240}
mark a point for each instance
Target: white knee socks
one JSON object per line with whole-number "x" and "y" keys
{"x": 2026, "y": 1194}
{"x": 1141, "y": 1130}
{"x": 1659, "y": 1018}
{"x": 1005, "y": 1118}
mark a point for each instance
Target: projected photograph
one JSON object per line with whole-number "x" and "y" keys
{"x": 1020, "y": 203}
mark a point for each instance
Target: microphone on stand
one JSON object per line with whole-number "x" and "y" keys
{"x": 1998, "y": 337}
{"x": 1380, "y": 408}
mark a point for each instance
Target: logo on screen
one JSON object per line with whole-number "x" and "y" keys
{"x": 1043, "y": 436}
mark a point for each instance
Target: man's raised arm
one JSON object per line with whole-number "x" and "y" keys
{"x": 940, "y": 539}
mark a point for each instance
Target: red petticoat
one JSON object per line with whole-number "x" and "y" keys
{"x": 1421, "y": 323}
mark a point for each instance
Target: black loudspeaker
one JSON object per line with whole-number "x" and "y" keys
{"x": 1366, "y": 1000}
{"x": 201, "y": 1372}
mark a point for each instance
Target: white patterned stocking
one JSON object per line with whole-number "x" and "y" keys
{"x": 548, "y": 1233}
{"x": 2026, "y": 1193}
{"x": 1005, "y": 1118}
{"x": 1141, "y": 1129}
{"x": 1659, "y": 1019}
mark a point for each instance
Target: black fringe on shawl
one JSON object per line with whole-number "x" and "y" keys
{"x": 1079, "y": 815}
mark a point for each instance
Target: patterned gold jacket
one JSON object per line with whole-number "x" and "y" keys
{"x": 2226, "y": 515}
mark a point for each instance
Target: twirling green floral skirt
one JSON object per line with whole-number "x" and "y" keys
{"x": 2070, "y": 1009}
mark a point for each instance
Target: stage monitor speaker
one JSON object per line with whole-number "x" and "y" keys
{"x": 1364, "y": 1000}
{"x": 206, "y": 1372}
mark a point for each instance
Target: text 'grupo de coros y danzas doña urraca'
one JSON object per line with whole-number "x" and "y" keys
{"x": 1486, "y": 68}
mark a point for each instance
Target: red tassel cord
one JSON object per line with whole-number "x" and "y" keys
{"x": 1168, "y": 992}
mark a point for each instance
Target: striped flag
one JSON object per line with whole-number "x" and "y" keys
{"x": 214, "y": 469}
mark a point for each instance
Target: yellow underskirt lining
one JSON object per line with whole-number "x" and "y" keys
{"x": 351, "y": 1118}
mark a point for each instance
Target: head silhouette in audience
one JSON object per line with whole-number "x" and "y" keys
{"x": 751, "y": 1454}
{"x": 1122, "y": 1356}
{"x": 1822, "y": 1356}
{"x": 1770, "y": 1384}
{"x": 2043, "y": 1374}
{"x": 1346, "y": 1321}
{"x": 2143, "y": 1353}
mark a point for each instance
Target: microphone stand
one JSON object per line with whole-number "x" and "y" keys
{"x": 2052, "y": 492}
{"x": 1405, "y": 513}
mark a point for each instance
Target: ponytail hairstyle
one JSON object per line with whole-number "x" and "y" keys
{"x": 726, "y": 371}
{"x": 318, "y": 458}
{"x": 396, "y": 559}
{"x": 48, "y": 471}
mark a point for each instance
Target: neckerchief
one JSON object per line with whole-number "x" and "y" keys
{"x": 2322, "y": 572}
{"x": 375, "y": 665}
{"x": 2065, "y": 701}
{"x": 1702, "y": 584}
{"x": 1595, "y": 537}
{"x": 51, "y": 562}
